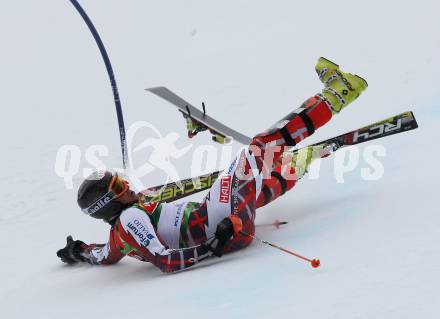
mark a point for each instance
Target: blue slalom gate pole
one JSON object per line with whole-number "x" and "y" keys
{"x": 111, "y": 76}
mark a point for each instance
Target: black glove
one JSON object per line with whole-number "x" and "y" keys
{"x": 71, "y": 254}
{"x": 223, "y": 233}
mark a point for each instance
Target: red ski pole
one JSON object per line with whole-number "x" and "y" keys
{"x": 314, "y": 262}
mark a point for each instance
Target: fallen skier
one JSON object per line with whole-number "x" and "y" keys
{"x": 175, "y": 236}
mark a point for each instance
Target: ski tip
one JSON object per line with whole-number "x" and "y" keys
{"x": 153, "y": 89}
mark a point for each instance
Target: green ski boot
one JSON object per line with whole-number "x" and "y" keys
{"x": 194, "y": 127}
{"x": 340, "y": 88}
{"x": 302, "y": 158}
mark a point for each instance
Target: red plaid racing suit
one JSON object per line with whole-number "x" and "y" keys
{"x": 170, "y": 235}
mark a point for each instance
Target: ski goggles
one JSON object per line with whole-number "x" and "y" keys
{"x": 116, "y": 189}
{"x": 118, "y": 186}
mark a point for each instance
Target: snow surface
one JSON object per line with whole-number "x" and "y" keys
{"x": 251, "y": 62}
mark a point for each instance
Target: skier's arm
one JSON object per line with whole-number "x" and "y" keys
{"x": 137, "y": 237}
{"x": 172, "y": 260}
{"x": 137, "y": 234}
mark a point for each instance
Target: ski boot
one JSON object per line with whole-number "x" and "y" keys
{"x": 304, "y": 157}
{"x": 194, "y": 127}
{"x": 340, "y": 88}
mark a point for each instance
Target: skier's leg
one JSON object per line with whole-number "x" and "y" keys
{"x": 283, "y": 178}
{"x": 267, "y": 148}
{"x": 340, "y": 90}
{"x": 237, "y": 190}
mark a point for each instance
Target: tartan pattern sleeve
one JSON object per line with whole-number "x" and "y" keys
{"x": 136, "y": 236}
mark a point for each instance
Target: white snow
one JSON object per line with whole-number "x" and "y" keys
{"x": 251, "y": 62}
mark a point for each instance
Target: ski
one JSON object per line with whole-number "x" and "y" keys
{"x": 194, "y": 113}
{"x": 397, "y": 124}
{"x": 171, "y": 192}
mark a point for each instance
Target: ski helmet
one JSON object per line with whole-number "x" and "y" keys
{"x": 97, "y": 200}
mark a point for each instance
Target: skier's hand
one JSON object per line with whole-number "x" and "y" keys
{"x": 227, "y": 228}
{"x": 71, "y": 254}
